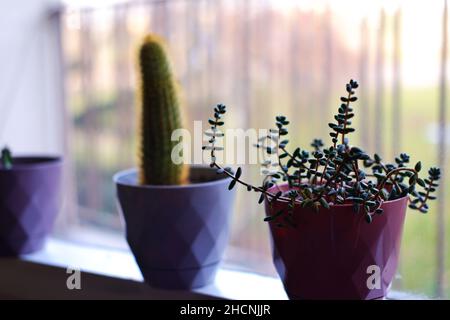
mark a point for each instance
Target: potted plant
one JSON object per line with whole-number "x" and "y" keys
{"x": 335, "y": 229}
{"x": 30, "y": 199}
{"x": 177, "y": 218}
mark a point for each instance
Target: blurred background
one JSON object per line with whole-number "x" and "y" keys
{"x": 67, "y": 85}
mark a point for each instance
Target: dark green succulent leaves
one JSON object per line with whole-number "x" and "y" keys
{"x": 324, "y": 203}
{"x": 376, "y": 158}
{"x": 7, "y": 160}
{"x": 261, "y": 198}
{"x": 273, "y": 217}
{"x": 419, "y": 199}
{"x": 317, "y": 144}
{"x": 238, "y": 173}
{"x": 418, "y": 166}
{"x": 333, "y": 175}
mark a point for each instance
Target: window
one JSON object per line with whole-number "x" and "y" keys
{"x": 264, "y": 58}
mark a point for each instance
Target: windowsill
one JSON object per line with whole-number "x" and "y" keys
{"x": 113, "y": 273}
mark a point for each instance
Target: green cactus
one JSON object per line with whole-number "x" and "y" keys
{"x": 159, "y": 116}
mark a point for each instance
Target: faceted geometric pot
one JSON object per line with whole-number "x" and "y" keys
{"x": 335, "y": 253}
{"x": 30, "y": 198}
{"x": 177, "y": 233}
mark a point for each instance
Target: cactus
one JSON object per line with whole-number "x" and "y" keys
{"x": 159, "y": 116}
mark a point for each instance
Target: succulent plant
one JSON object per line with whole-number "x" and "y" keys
{"x": 6, "y": 160}
{"x": 159, "y": 116}
{"x": 328, "y": 176}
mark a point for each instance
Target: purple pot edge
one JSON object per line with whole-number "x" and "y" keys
{"x": 33, "y": 162}
{"x": 120, "y": 179}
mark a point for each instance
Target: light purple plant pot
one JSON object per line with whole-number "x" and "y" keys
{"x": 30, "y": 198}
{"x": 177, "y": 234}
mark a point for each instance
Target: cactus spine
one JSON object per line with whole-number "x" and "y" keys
{"x": 159, "y": 116}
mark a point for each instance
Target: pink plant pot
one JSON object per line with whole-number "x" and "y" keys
{"x": 335, "y": 253}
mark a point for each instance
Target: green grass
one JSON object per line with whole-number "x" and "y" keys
{"x": 418, "y": 259}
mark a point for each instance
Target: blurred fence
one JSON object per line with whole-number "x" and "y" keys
{"x": 261, "y": 58}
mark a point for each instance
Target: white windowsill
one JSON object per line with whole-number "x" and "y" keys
{"x": 120, "y": 264}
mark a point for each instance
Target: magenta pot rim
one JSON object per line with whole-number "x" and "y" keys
{"x": 335, "y": 205}
{"x": 119, "y": 179}
{"x": 33, "y": 162}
